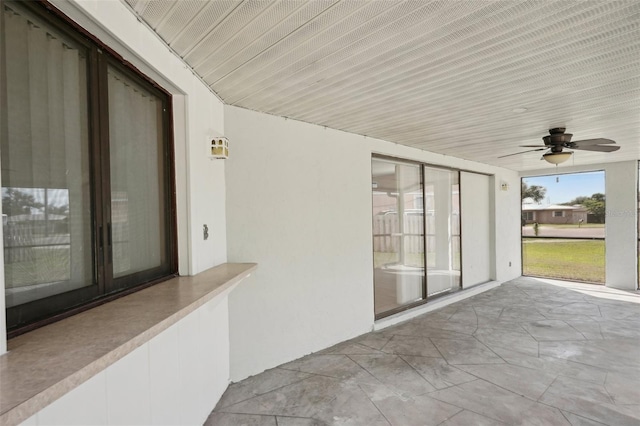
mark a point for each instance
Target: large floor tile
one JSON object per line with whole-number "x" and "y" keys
{"x": 620, "y": 355}
{"x": 576, "y": 420}
{"x": 466, "y": 351}
{"x": 395, "y": 373}
{"x": 299, "y": 421}
{"x": 520, "y": 380}
{"x": 624, "y": 388}
{"x": 552, "y": 330}
{"x": 322, "y": 398}
{"x": 438, "y": 372}
{"x": 373, "y": 340}
{"x": 577, "y": 308}
{"x": 488, "y": 400}
{"x": 515, "y": 314}
{"x": 554, "y": 365}
{"x": 519, "y": 340}
{"x": 349, "y": 348}
{"x": 257, "y": 385}
{"x": 411, "y": 345}
{"x": 337, "y": 366}
{"x": 589, "y": 400}
{"x": 417, "y": 410}
{"x": 230, "y": 419}
{"x": 468, "y": 418}
{"x": 427, "y": 328}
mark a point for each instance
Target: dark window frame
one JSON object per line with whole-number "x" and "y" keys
{"x": 99, "y": 56}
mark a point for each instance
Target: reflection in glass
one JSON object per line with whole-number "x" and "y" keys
{"x": 45, "y": 163}
{"x": 398, "y": 234}
{"x": 36, "y": 236}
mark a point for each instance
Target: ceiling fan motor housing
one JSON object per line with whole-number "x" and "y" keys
{"x": 557, "y": 137}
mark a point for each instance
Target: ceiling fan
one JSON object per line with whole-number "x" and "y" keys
{"x": 558, "y": 139}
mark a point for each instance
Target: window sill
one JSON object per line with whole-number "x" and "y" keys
{"x": 44, "y": 364}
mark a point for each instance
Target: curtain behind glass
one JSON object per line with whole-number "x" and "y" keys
{"x": 443, "y": 230}
{"x": 137, "y": 197}
{"x": 45, "y": 162}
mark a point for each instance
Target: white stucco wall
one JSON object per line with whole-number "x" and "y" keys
{"x": 299, "y": 204}
{"x": 621, "y": 187}
{"x": 476, "y": 218}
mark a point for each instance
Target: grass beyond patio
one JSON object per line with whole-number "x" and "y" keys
{"x": 580, "y": 260}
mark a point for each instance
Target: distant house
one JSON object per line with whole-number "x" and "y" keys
{"x": 553, "y": 213}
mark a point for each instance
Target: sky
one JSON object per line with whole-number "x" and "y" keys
{"x": 568, "y": 186}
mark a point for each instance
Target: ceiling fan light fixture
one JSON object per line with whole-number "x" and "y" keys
{"x": 556, "y": 157}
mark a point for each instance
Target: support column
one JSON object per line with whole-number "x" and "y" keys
{"x": 622, "y": 225}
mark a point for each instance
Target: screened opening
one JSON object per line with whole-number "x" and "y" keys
{"x": 563, "y": 230}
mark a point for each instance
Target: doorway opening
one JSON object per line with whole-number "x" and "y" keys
{"x": 563, "y": 226}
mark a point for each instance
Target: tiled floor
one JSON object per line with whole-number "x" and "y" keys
{"x": 528, "y": 352}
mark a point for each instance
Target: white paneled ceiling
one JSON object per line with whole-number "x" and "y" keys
{"x": 467, "y": 78}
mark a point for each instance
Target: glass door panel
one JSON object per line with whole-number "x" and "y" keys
{"x": 46, "y": 204}
{"x": 442, "y": 201}
{"x": 137, "y": 197}
{"x": 398, "y": 235}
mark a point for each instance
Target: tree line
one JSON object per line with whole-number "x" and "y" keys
{"x": 595, "y": 204}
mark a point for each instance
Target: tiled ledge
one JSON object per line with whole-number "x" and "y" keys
{"x": 44, "y": 364}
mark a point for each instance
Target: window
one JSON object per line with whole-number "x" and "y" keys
{"x": 86, "y": 171}
{"x": 558, "y": 213}
{"x": 528, "y": 215}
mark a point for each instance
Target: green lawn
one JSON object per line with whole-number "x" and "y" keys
{"x": 580, "y": 260}
{"x": 43, "y": 265}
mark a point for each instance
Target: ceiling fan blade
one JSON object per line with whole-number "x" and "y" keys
{"x": 599, "y": 141}
{"x": 535, "y": 146}
{"x": 522, "y": 152}
{"x": 600, "y": 148}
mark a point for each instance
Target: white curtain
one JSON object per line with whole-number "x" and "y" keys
{"x": 45, "y": 156}
{"x": 135, "y": 132}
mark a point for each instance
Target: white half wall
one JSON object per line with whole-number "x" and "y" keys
{"x": 174, "y": 379}
{"x": 299, "y": 204}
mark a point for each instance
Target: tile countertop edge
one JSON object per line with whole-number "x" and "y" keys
{"x": 212, "y": 283}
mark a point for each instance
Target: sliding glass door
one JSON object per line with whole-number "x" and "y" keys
{"x": 409, "y": 198}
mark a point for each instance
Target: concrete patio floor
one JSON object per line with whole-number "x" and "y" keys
{"x": 530, "y": 352}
